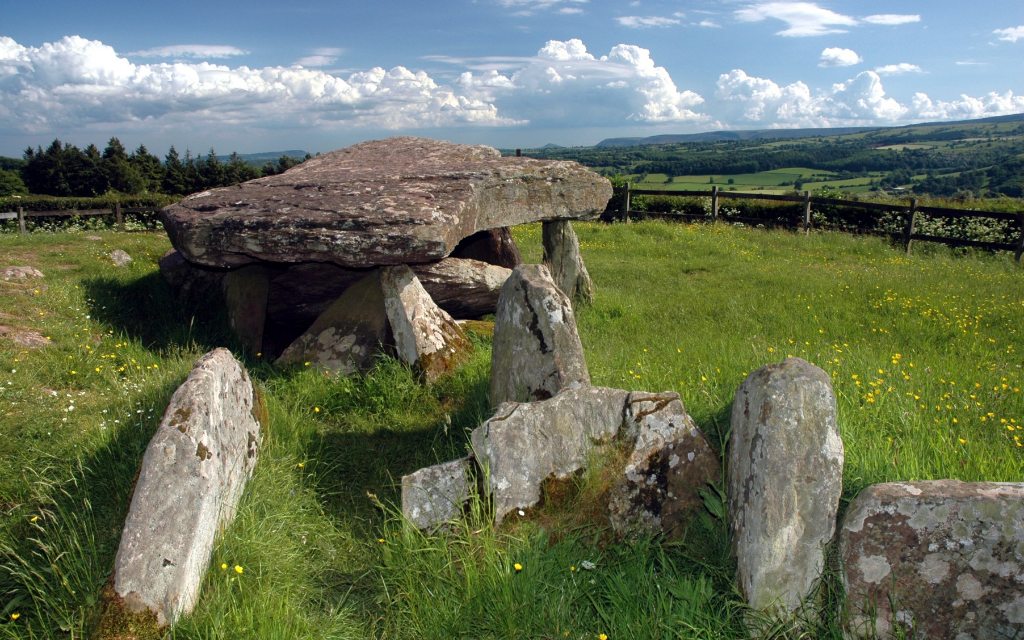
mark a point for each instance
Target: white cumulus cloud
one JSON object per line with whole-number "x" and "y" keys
{"x": 839, "y": 57}
{"x": 898, "y": 69}
{"x": 641, "y": 22}
{"x": 530, "y": 7}
{"x": 744, "y": 100}
{"x": 802, "y": 18}
{"x": 199, "y": 51}
{"x": 1010, "y": 34}
{"x": 321, "y": 57}
{"x": 75, "y": 83}
{"x": 892, "y": 19}
{"x": 566, "y": 85}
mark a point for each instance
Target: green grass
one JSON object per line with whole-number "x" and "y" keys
{"x": 775, "y": 181}
{"x": 925, "y": 354}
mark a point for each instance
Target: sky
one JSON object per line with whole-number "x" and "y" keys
{"x": 318, "y": 75}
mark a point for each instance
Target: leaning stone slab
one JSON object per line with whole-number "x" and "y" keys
{"x": 192, "y": 477}
{"x": 536, "y": 350}
{"x": 426, "y": 338}
{"x": 348, "y": 334}
{"x": 670, "y": 462}
{"x": 785, "y": 478}
{"x": 464, "y": 288}
{"x": 435, "y": 495}
{"x": 525, "y": 443}
{"x": 935, "y": 559}
{"x": 396, "y": 201}
{"x": 563, "y": 259}
{"x": 493, "y": 246}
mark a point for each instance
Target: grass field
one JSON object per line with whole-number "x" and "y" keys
{"x": 776, "y": 181}
{"x": 925, "y": 353}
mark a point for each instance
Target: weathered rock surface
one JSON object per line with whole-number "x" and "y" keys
{"x": 493, "y": 246}
{"x": 464, "y": 288}
{"x": 245, "y": 293}
{"x": 187, "y": 281}
{"x": 670, "y": 462}
{"x": 192, "y": 477}
{"x": 120, "y": 258}
{"x": 941, "y": 559}
{"x": 426, "y": 338}
{"x": 28, "y": 338}
{"x": 536, "y": 350}
{"x": 20, "y": 273}
{"x": 563, "y": 259}
{"x": 785, "y": 478}
{"x": 435, "y": 495}
{"x": 525, "y": 443}
{"x": 395, "y": 201}
{"x": 348, "y": 334}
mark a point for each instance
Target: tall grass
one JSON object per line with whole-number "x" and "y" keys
{"x": 924, "y": 352}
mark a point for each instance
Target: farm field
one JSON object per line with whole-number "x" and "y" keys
{"x": 924, "y": 351}
{"x": 776, "y": 181}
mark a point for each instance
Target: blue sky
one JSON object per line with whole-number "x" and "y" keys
{"x": 318, "y": 75}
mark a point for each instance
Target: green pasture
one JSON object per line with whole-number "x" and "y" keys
{"x": 925, "y": 354}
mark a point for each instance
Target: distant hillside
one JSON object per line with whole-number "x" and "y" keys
{"x": 260, "y": 159}
{"x": 790, "y": 134}
{"x": 725, "y": 136}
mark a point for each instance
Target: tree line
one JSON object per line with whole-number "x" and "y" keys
{"x": 65, "y": 170}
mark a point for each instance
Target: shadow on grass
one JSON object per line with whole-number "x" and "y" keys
{"x": 147, "y": 310}
{"x": 64, "y": 549}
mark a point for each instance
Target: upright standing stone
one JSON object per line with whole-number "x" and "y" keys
{"x": 562, "y": 257}
{"x": 536, "y": 349}
{"x": 426, "y": 337}
{"x": 345, "y": 338}
{"x": 192, "y": 477}
{"x": 785, "y": 478}
{"x": 245, "y": 295}
{"x": 935, "y": 559}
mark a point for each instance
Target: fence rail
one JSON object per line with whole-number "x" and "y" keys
{"x": 117, "y": 212}
{"x": 910, "y": 210}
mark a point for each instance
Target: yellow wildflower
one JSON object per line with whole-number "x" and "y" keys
{"x": 238, "y": 569}
{"x": 518, "y": 567}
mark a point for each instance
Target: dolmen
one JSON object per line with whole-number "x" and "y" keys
{"x": 428, "y": 215}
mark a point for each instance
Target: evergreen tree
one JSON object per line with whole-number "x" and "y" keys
{"x": 175, "y": 179}
{"x": 148, "y": 167}
{"x": 121, "y": 175}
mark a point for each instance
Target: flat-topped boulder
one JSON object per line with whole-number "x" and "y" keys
{"x": 385, "y": 202}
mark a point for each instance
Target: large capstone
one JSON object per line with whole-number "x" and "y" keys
{"x": 785, "y": 478}
{"x": 395, "y": 201}
{"x": 192, "y": 477}
{"x": 524, "y": 444}
{"x": 935, "y": 559}
{"x": 536, "y": 349}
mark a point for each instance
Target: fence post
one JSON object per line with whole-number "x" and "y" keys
{"x": 908, "y": 231}
{"x": 807, "y": 212}
{"x": 118, "y": 217}
{"x": 1020, "y": 242}
{"x": 625, "y": 204}
{"x": 21, "y": 220}
{"x": 714, "y": 203}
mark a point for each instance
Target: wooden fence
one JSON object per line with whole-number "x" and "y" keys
{"x": 910, "y": 211}
{"x": 117, "y": 212}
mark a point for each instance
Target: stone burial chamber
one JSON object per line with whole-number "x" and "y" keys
{"x": 284, "y": 251}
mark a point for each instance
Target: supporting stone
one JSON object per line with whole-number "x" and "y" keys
{"x": 193, "y": 474}
{"x": 563, "y": 259}
{"x": 426, "y": 338}
{"x": 536, "y": 350}
{"x": 245, "y": 295}
{"x": 348, "y": 334}
{"x": 785, "y": 479}
{"x": 935, "y": 559}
